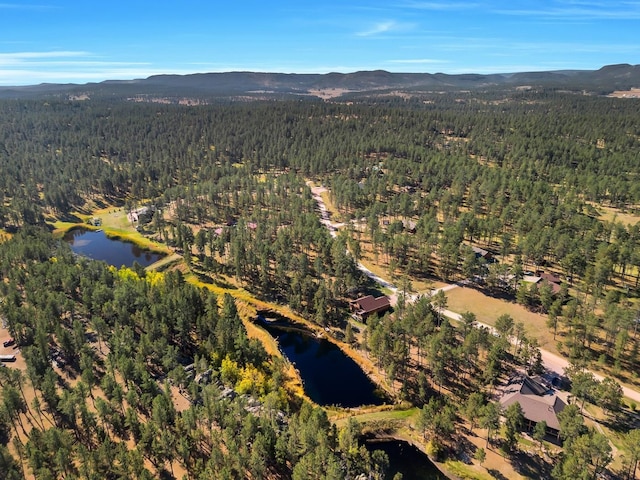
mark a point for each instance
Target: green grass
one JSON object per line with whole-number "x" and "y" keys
{"x": 115, "y": 225}
{"x": 405, "y": 415}
{"x": 462, "y": 470}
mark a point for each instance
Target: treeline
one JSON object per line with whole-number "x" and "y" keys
{"x": 109, "y": 354}
{"x": 56, "y": 154}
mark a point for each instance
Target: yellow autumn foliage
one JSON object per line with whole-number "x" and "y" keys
{"x": 229, "y": 371}
{"x": 126, "y": 273}
{"x": 252, "y": 381}
{"x": 154, "y": 278}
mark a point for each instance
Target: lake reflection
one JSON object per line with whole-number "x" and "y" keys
{"x": 330, "y": 377}
{"x": 96, "y": 245}
{"x": 406, "y": 459}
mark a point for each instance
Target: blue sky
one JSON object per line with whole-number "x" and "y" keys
{"x": 93, "y": 40}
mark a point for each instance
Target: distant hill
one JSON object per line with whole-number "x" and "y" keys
{"x": 280, "y": 85}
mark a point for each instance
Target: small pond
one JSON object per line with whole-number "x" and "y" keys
{"x": 96, "y": 245}
{"x": 329, "y": 376}
{"x": 406, "y": 459}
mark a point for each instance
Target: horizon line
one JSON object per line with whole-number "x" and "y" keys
{"x": 330, "y": 72}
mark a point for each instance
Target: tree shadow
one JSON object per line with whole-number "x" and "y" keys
{"x": 4, "y": 436}
{"x": 465, "y": 449}
{"x": 70, "y": 218}
{"x": 497, "y": 293}
{"x": 204, "y": 278}
{"x": 219, "y": 282}
{"x": 530, "y": 465}
{"x": 417, "y": 394}
{"x": 165, "y": 474}
{"x": 622, "y": 420}
{"x": 496, "y": 474}
{"x": 372, "y": 288}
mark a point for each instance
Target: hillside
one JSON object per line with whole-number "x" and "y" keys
{"x": 279, "y": 85}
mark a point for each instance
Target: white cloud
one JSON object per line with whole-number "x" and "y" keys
{"x": 377, "y": 29}
{"x": 22, "y": 6}
{"x": 35, "y": 76}
{"x": 24, "y": 68}
{"x": 22, "y": 58}
{"x": 386, "y": 27}
{"x": 441, "y": 6}
{"x": 570, "y": 10}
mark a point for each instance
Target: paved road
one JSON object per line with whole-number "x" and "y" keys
{"x": 552, "y": 362}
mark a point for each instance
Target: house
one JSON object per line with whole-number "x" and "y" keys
{"x": 555, "y": 287}
{"x": 482, "y": 253}
{"x": 368, "y": 305}
{"x": 542, "y": 278}
{"x": 538, "y": 403}
{"x": 409, "y": 226}
{"x": 549, "y": 277}
{"x": 141, "y": 215}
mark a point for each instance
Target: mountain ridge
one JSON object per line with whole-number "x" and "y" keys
{"x": 259, "y": 84}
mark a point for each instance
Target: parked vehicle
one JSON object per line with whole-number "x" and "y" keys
{"x": 8, "y": 343}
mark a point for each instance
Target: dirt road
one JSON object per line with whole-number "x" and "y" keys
{"x": 553, "y": 363}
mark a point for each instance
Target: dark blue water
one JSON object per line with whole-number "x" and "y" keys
{"x": 329, "y": 376}
{"x": 96, "y": 245}
{"x": 406, "y": 459}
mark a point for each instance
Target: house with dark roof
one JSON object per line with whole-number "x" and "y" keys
{"x": 539, "y": 403}
{"x": 542, "y": 278}
{"x": 368, "y": 305}
{"x": 482, "y": 253}
{"x": 549, "y": 277}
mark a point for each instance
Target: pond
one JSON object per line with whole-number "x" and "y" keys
{"x": 96, "y": 245}
{"x": 330, "y": 377}
{"x": 406, "y": 459}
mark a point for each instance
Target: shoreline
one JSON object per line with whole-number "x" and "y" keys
{"x": 112, "y": 233}
{"x": 385, "y": 437}
{"x": 364, "y": 362}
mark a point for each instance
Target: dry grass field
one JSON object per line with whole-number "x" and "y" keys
{"x": 633, "y": 93}
{"x": 611, "y": 214}
{"x": 488, "y": 309}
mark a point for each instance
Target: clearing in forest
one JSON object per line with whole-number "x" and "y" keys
{"x": 488, "y": 309}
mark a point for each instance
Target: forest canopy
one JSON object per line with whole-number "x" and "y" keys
{"x": 485, "y": 188}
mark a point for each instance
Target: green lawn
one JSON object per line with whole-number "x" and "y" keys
{"x": 115, "y": 224}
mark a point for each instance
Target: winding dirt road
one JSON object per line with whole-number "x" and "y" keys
{"x": 552, "y": 362}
